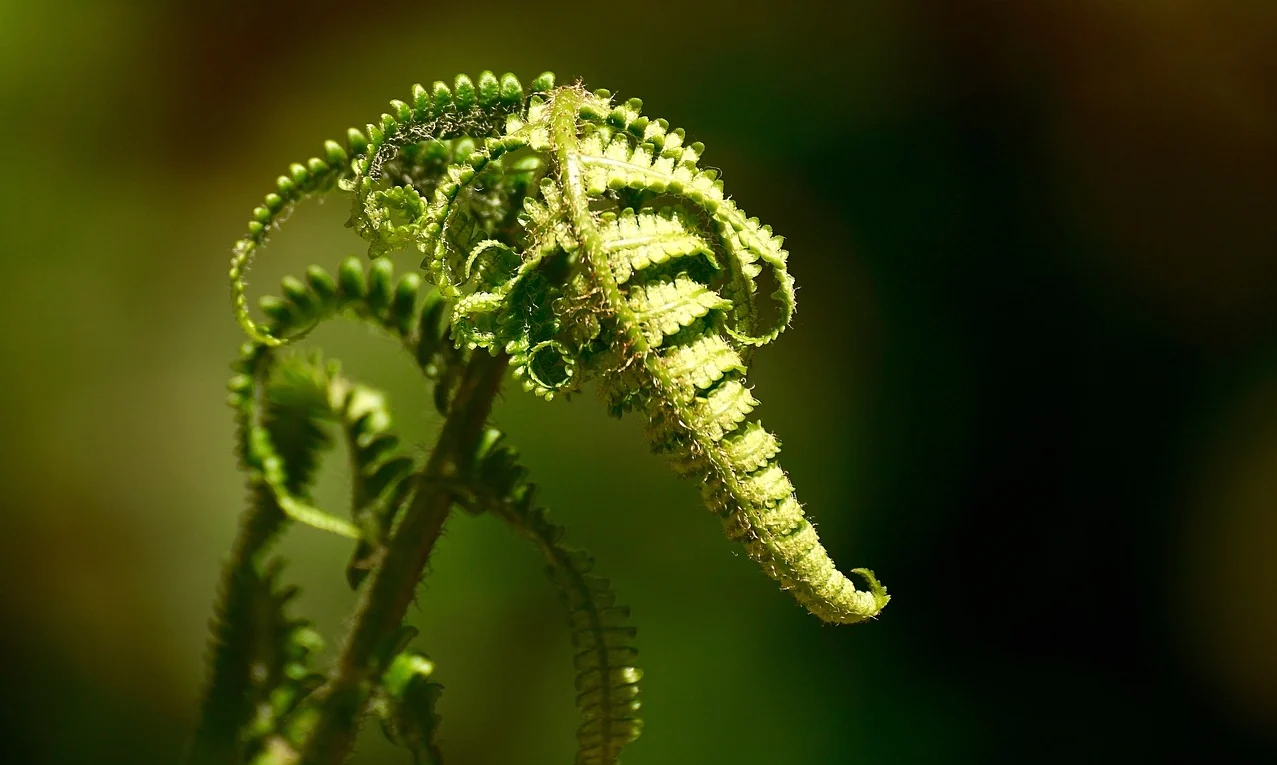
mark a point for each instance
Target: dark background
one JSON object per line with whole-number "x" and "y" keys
{"x": 1032, "y": 381}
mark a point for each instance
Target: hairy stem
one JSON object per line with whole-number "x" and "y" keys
{"x": 393, "y": 583}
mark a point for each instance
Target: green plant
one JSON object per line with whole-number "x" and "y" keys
{"x": 567, "y": 239}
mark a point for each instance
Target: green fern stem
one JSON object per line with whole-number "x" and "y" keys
{"x": 342, "y": 700}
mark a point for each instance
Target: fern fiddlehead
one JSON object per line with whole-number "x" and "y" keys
{"x": 569, "y": 239}
{"x": 626, "y": 263}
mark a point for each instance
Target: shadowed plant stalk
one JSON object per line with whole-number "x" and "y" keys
{"x": 393, "y": 583}
{"x": 565, "y": 238}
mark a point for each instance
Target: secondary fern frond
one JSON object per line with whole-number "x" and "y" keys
{"x": 285, "y": 407}
{"x": 405, "y": 705}
{"x": 260, "y": 658}
{"x": 606, "y": 679}
{"x": 262, "y": 666}
{"x": 320, "y": 395}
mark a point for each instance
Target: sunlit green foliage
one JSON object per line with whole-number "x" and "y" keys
{"x": 571, "y": 239}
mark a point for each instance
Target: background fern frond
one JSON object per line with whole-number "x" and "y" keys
{"x": 405, "y": 705}
{"x": 602, "y": 634}
{"x": 259, "y": 657}
{"x": 285, "y": 406}
{"x": 379, "y": 473}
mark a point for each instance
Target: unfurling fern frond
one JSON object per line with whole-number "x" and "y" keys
{"x": 539, "y": 221}
{"x": 680, "y": 335}
{"x": 602, "y": 635}
{"x": 262, "y": 667}
{"x": 318, "y": 394}
{"x": 568, "y": 238}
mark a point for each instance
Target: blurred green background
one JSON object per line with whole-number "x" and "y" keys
{"x": 1032, "y": 381}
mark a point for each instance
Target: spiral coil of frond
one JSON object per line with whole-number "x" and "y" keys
{"x": 402, "y": 309}
{"x": 626, "y": 262}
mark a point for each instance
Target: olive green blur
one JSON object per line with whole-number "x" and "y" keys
{"x": 1031, "y": 380}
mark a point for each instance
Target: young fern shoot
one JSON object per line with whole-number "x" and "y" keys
{"x": 571, "y": 239}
